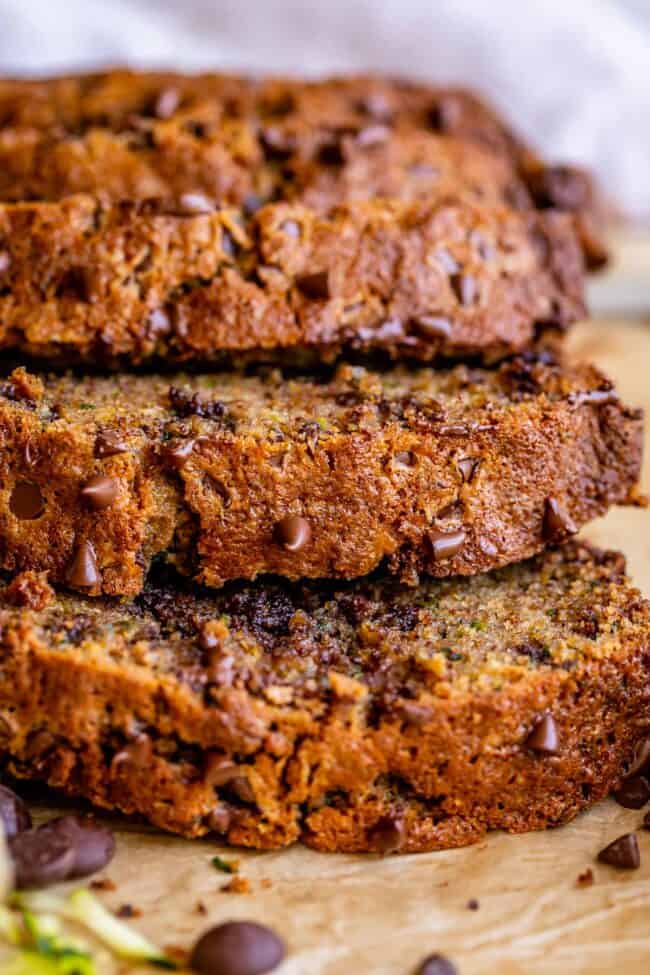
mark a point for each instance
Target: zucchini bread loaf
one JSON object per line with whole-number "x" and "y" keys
{"x": 123, "y": 284}
{"x": 353, "y": 716}
{"x": 126, "y": 135}
{"x": 229, "y": 476}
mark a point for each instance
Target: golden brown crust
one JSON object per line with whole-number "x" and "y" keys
{"x": 353, "y": 717}
{"x": 232, "y": 476}
{"x": 84, "y": 282}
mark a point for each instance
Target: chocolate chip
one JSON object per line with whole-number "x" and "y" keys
{"x": 167, "y": 102}
{"x": 465, "y": 288}
{"x": 444, "y": 545}
{"x": 473, "y": 904}
{"x": 186, "y": 403}
{"x": 646, "y": 821}
{"x": 433, "y": 326}
{"x": 237, "y": 948}
{"x": 293, "y": 533}
{"x": 277, "y": 143}
{"x": 563, "y": 187}
{"x": 109, "y": 443}
{"x": 14, "y": 814}
{"x": 641, "y": 758}
{"x": 544, "y": 738}
{"x": 241, "y": 787}
{"x": 83, "y": 571}
{"x": 291, "y": 228}
{"x": 557, "y": 524}
{"x": 179, "y": 452}
{"x": 100, "y": 491}
{"x": 315, "y": 286}
{"x": 93, "y": 845}
{"x": 622, "y": 853}
{"x": 219, "y": 770}
{"x": 194, "y": 204}
{"x": 332, "y": 153}
{"x": 387, "y": 835}
{"x": 416, "y": 714}
{"x": 445, "y": 114}
{"x": 634, "y": 793}
{"x": 436, "y": 965}
{"x": 40, "y": 858}
{"x": 467, "y": 467}
{"x": 26, "y": 501}
{"x": 219, "y": 819}
{"x": 5, "y": 261}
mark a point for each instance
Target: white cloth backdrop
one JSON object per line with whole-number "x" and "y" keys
{"x": 574, "y": 75}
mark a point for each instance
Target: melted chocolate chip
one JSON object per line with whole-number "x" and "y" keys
{"x": 557, "y": 524}
{"x": 436, "y": 965}
{"x": 237, "y": 948}
{"x": 433, "y": 326}
{"x": 109, "y": 443}
{"x": 14, "y": 814}
{"x": 332, "y": 153}
{"x": 26, "y": 501}
{"x": 178, "y": 452}
{"x": 83, "y": 571}
{"x": 634, "y": 793}
{"x": 40, "y": 858}
{"x": 100, "y": 492}
{"x": 293, "y": 533}
{"x": 468, "y": 467}
{"x": 185, "y": 403}
{"x": 622, "y": 853}
{"x": 544, "y": 738}
{"x": 387, "y": 835}
{"x": 444, "y": 545}
{"x": 315, "y": 286}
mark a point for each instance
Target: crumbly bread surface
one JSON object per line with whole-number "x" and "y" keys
{"x": 231, "y": 476}
{"x": 352, "y": 716}
{"x": 124, "y": 284}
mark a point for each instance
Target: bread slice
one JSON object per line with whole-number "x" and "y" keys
{"x": 230, "y": 476}
{"x": 126, "y": 284}
{"x": 352, "y": 716}
{"x": 133, "y": 135}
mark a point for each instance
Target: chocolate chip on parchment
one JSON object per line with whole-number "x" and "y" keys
{"x": 40, "y": 858}
{"x": 544, "y": 738}
{"x": 622, "y": 853}
{"x": 387, "y": 835}
{"x": 166, "y": 103}
{"x": 315, "y": 286}
{"x": 93, "y": 844}
{"x": 432, "y": 326}
{"x": 436, "y": 965}
{"x": 26, "y": 501}
{"x": 473, "y": 904}
{"x": 100, "y": 491}
{"x": 444, "y": 545}
{"x": 109, "y": 443}
{"x": 634, "y": 793}
{"x": 557, "y": 524}
{"x": 237, "y": 948}
{"x": 194, "y": 204}
{"x": 293, "y": 533}
{"x": 14, "y": 814}
{"x": 83, "y": 570}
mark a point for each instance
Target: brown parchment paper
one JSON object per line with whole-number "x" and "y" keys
{"x": 343, "y": 915}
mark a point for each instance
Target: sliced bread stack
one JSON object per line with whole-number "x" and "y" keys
{"x": 323, "y": 584}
